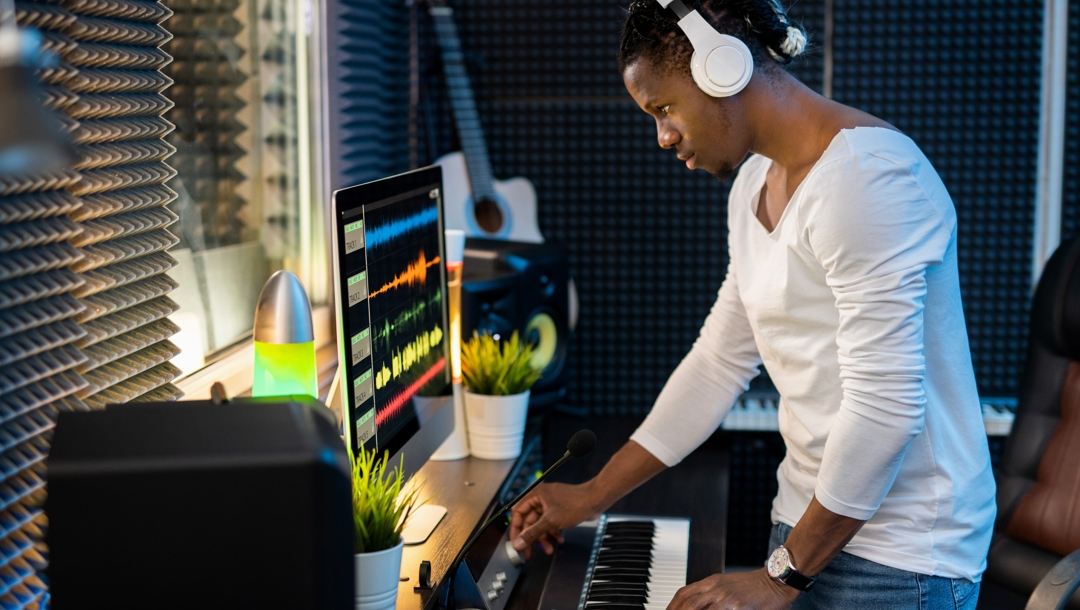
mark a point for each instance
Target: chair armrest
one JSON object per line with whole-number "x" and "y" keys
{"x": 1055, "y": 589}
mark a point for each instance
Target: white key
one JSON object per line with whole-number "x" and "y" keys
{"x": 670, "y": 546}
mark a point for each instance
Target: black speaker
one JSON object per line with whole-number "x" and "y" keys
{"x": 195, "y": 505}
{"x": 508, "y": 286}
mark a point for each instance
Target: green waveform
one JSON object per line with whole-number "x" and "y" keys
{"x": 406, "y": 357}
{"x": 415, "y": 312}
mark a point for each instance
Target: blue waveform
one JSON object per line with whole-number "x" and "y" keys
{"x": 391, "y": 230}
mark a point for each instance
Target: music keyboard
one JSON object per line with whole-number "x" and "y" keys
{"x": 619, "y": 562}
{"x": 758, "y": 411}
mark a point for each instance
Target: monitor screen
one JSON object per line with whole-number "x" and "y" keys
{"x": 390, "y": 283}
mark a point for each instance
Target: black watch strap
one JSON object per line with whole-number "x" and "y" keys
{"x": 799, "y": 581}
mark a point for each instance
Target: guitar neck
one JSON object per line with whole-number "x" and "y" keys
{"x": 466, "y": 117}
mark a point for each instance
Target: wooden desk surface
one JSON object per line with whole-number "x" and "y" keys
{"x": 466, "y": 488}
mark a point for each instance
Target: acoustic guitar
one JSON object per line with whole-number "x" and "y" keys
{"x": 474, "y": 201}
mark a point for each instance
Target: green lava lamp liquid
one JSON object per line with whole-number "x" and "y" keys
{"x": 282, "y": 369}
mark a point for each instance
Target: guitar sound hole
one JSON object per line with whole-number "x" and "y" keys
{"x": 488, "y": 215}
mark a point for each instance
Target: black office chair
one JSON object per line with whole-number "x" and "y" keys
{"x": 1038, "y": 494}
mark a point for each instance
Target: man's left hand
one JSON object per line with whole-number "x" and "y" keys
{"x": 737, "y": 590}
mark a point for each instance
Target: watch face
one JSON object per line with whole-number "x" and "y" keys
{"x": 779, "y": 563}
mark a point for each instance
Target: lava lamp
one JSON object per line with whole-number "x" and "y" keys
{"x": 284, "y": 340}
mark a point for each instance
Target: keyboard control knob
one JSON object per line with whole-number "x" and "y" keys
{"x": 491, "y": 595}
{"x": 512, "y": 554}
{"x": 500, "y": 577}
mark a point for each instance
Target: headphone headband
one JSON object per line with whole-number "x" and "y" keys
{"x": 721, "y": 65}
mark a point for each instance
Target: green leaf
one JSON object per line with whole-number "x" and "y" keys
{"x": 379, "y": 509}
{"x": 498, "y": 367}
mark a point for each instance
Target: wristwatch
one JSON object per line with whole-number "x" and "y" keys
{"x": 782, "y": 570}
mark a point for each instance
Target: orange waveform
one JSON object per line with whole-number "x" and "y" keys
{"x": 415, "y": 273}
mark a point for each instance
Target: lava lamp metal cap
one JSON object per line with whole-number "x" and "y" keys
{"x": 283, "y": 314}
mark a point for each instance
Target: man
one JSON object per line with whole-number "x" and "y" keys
{"x": 843, "y": 281}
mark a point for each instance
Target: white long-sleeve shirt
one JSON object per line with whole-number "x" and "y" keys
{"x": 852, "y": 302}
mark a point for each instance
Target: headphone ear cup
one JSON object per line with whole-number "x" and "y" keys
{"x": 724, "y": 67}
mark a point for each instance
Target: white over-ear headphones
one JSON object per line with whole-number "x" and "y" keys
{"x": 722, "y": 65}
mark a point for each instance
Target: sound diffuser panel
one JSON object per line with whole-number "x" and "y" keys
{"x": 368, "y": 73}
{"x": 1070, "y": 204}
{"x": 206, "y": 64}
{"x": 127, "y": 320}
{"x": 36, "y": 314}
{"x": 120, "y": 63}
{"x": 96, "y": 232}
{"x": 38, "y": 330}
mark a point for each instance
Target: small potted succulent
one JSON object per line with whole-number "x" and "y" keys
{"x": 498, "y": 375}
{"x": 380, "y": 510}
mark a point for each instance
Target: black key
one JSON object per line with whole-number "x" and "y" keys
{"x": 610, "y": 587}
{"x": 630, "y": 524}
{"x": 629, "y": 548}
{"x": 631, "y": 535}
{"x": 642, "y": 534}
{"x": 622, "y": 574}
{"x": 627, "y": 545}
{"x": 611, "y": 583}
{"x": 639, "y": 555}
{"x": 617, "y": 597}
{"x": 624, "y": 563}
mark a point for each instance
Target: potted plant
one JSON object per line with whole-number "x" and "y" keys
{"x": 497, "y": 376}
{"x": 379, "y": 514}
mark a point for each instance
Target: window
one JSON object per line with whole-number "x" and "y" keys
{"x": 243, "y": 181}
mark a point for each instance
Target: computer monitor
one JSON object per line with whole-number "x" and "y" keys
{"x": 391, "y": 300}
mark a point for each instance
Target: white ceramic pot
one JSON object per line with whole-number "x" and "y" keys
{"x": 377, "y": 577}
{"x": 496, "y": 424}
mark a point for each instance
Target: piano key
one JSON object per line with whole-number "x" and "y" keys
{"x": 609, "y": 586}
{"x": 635, "y": 563}
{"x": 669, "y": 561}
{"x": 640, "y": 555}
{"x": 757, "y": 411}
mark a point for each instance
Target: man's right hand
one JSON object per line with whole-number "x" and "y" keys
{"x": 546, "y": 511}
{"x": 552, "y": 507}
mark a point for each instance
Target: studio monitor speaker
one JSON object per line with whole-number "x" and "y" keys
{"x": 526, "y": 287}
{"x": 196, "y": 505}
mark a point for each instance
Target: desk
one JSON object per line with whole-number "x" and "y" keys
{"x": 466, "y": 488}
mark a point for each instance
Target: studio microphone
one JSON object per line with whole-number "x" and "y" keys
{"x": 581, "y": 444}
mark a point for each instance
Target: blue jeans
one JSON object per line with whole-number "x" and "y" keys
{"x": 851, "y": 582}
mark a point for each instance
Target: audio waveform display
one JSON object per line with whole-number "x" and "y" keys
{"x": 396, "y": 228}
{"x": 406, "y": 357}
{"x": 414, "y": 275}
{"x": 405, "y": 310}
{"x": 406, "y": 318}
{"x": 394, "y": 406}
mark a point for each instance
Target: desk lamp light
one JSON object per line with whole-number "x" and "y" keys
{"x": 456, "y": 445}
{"x": 284, "y": 340}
